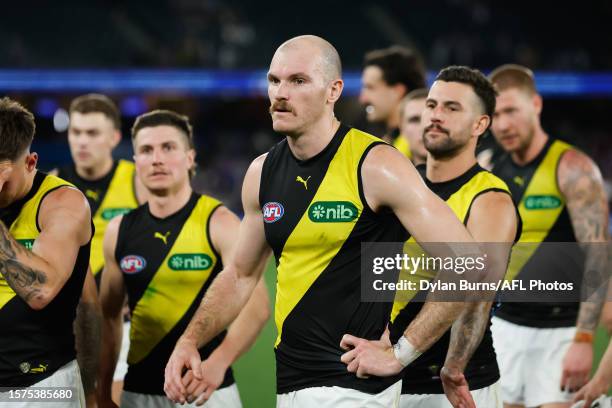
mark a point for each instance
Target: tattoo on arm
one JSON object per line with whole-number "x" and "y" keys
{"x": 587, "y": 206}
{"x": 466, "y": 334}
{"x": 25, "y": 281}
{"x": 87, "y": 330}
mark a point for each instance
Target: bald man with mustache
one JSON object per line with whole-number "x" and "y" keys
{"x": 288, "y": 195}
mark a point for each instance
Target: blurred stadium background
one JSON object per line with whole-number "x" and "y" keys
{"x": 208, "y": 58}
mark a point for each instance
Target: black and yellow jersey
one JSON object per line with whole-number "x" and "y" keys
{"x": 315, "y": 220}
{"x": 167, "y": 264}
{"x": 545, "y": 219}
{"x": 36, "y": 343}
{"x": 423, "y": 375}
{"x": 112, "y": 195}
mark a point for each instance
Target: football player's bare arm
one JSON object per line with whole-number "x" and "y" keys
{"x": 390, "y": 180}
{"x": 494, "y": 221}
{"x": 38, "y": 275}
{"x": 581, "y": 184}
{"x": 230, "y": 291}
{"x": 87, "y": 328}
{"x": 112, "y": 297}
{"x": 243, "y": 331}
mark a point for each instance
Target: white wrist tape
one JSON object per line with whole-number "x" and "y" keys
{"x": 405, "y": 352}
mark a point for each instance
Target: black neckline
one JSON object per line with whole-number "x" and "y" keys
{"x": 536, "y": 160}
{"x": 190, "y": 203}
{"x": 467, "y": 175}
{"x": 342, "y": 130}
{"x": 105, "y": 177}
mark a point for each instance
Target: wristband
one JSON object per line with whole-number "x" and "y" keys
{"x": 405, "y": 352}
{"x": 583, "y": 337}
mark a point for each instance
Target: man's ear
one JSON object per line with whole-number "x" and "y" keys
{"x": 481, "y": 125}
{"x": 335, "y": 90}
{"x": 31, "y": 159}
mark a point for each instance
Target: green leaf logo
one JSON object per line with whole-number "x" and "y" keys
{"x": 189, "y": 262}
{"x": 332, "y": 211}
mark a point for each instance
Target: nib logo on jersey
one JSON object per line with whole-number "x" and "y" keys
{"x": 110, "y": 213}
{"x": 332, "y": 211}
{"x": 542, "y": 202}
{"x": 272, "y": 212}
{"x": 189, "y": 262}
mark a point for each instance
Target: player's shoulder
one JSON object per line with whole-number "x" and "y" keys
{"x": 576, "y": 160}
{"x": 59, "y": 193}
{"x": 489, "y": 180}
{"x": 256, "y": 166}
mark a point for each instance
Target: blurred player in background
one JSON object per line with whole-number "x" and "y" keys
{"x": 45, "y": 232}
{"x": 411, "y": 127}
{"x": 164, "y": 256}
{"x": 314, "y": 199}
{"x": 545, "y": 350}
{"x": 388, "y": 75}
{"x": 110, "y": 185}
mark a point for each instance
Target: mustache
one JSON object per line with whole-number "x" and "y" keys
{"x": 434, "y": 126}
{"x": 280, "y": 105}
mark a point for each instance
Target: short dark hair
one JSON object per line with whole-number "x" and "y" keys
{"x": 17, "y": 129}
{"x": 513, "y": 76}
{"x": 162, "y": 117}
{"x": 399, "y": 65}
{"x": 482, "y": 87}
{"x": 97, "y": 103}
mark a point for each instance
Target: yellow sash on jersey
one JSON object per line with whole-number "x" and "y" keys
{"x": 176, "y": 283}
{"x": 119, "y": 199}
{"x": 25, "y": 228}
{"x": 402, "y": 144}
{"x": 312, "y": 245}
{"x": 540, "y": 207}
{"x": 460, "y": 202}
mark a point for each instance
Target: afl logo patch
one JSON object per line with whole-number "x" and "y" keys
{"x": 132, "y": 264}
{"x": 272, "y": 212}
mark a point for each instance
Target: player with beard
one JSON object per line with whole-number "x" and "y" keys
{"x": 314, "y": 199}
{"x": 559, "y": 192}
{"x": 458, "y": 111}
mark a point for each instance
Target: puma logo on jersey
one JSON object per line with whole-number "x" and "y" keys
{"x": 94, "y": 195}
{"x": 518, "y": 181}
{"x": 40, "y": 369}
{"x": 304, "y": 182}
{"x": 163, "y": 237}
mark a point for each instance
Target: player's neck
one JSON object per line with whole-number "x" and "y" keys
{"x": 529, "y": 153}
{"x": 97, "y": 172}
{"x": 163, "y": 204}
{"x": 447, "y": 168}
{"x": 27, "y": 186}
{"x": 314, "y": 140}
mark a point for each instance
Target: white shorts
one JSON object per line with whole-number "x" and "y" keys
{"x": 487, "y": 397}
{"x": 530, "y": 362}
{"x": 226, "y": 397}
{"x": 67, "y": 376}
{"x": 122, "y": 365}
{"x": 338, "y": 397}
